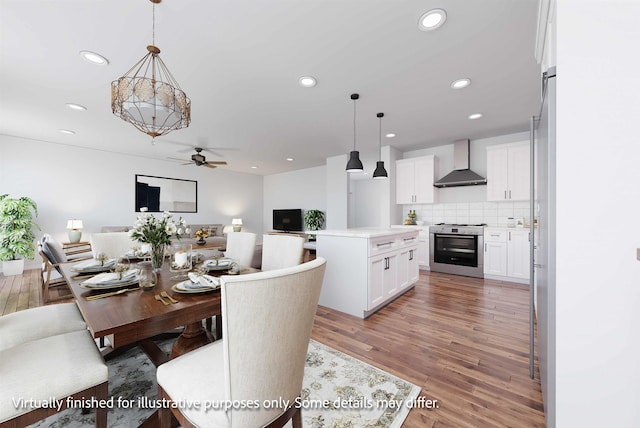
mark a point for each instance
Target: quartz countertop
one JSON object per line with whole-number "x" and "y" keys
{"x": 364, "y": 232}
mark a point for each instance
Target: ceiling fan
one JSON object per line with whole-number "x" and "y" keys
{"x": 199, "y": 159}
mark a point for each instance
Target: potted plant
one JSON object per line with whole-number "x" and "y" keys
{"x": 313, "y": 220}
{"x": 16, "y": 234}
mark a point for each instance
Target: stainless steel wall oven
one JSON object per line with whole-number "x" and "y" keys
{"x": 457, "y": 249}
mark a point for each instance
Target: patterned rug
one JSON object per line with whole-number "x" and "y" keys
{"x": 338, "y": 391}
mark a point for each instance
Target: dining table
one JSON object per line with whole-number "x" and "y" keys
{"x": 139, "y": 316}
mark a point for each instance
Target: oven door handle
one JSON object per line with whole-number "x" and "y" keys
{"x": 439, "y": 235}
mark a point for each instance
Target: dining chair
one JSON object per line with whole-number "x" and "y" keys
{"x": 266, "y": 322}
{"x": 241, "y": 247}
{"x": 39, "y": 322}
{"x": 280, "y": 251}
{"x": 47, "y": 352}
{"x": 113, "y": 244}
{"x": 52, "y": 255}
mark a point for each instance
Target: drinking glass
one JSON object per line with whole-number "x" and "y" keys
{"x": 148, "y": 277}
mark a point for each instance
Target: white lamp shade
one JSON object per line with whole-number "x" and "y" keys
{"x": 236, "y": 222}
{"x": 74, "y": 224}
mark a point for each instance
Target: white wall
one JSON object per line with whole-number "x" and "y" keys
{"x": 598, "y": 207}
{"x": 98, "y": 187}
{"x": 305, "y": 188}
{"x": 337, "y": 193}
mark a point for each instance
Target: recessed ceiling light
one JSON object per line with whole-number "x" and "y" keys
{"x": 432, "y": 19}
{"x": 475, "y": 116}
{"x": 308, "y": 81}
{"x": 390, "y": 135}
{"x": 290, "y": 159}
{"x": 73, "y": 106}
{"x": 460, "y": 83}
{"x": 94, "y": 58}
{"x": 254, "y": 167}
{"x": 67, "y": 131}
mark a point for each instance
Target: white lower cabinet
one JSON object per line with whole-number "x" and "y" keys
{"x": 383, "y": 278}
{"x": 518, "y": 254}
{"x": 506, "y": 254}
{"x": 366, "y": 269}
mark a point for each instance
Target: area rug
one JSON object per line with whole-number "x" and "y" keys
{"x": 338, "y": 391}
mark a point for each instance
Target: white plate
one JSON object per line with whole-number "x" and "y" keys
{"x": 126, "y": 283}
{"x": 178, "y": 289}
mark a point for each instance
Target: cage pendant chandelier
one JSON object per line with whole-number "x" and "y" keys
{"x": 149, "y": 97}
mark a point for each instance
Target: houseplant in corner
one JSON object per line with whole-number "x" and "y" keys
{"x": 16, "y": 234}
{"x": 313, "y": 220}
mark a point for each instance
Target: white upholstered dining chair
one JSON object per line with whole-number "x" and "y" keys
{"x": 47, "y": 352}
{"x": 241, "y": 247}
{"x": 113, "y": 244}
{"x": 266, "y": 322}
{"x": 280, "y": 251}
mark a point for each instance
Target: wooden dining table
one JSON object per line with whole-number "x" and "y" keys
{"x": 136, "y": 317}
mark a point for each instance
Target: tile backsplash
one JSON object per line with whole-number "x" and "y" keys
{"x": 491, "y": 213}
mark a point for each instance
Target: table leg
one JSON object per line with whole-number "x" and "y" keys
{"x": 193, "y": 336}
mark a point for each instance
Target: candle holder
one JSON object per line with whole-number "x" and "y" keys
{"x": 181, "y": 260}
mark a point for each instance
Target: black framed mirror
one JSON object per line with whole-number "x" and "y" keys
{"x": 160, "y": 194}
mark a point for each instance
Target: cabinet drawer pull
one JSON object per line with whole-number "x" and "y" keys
{"x": 385, "y": 244}
{"x": 410, "y": 254}
{"x": 505, "y": 194}
{"x": 495, "y": 235}
{"x": 409, "y": 239}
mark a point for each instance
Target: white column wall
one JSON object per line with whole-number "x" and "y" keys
{"x": 598, "y": 207}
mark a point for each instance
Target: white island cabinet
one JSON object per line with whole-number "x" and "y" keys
{"x": 366, "y": 268}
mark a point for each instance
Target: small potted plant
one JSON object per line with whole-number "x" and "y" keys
{"x": 16, "y": 234}
{"x": 313, "y": 220}
{"x": 201, "y": 234}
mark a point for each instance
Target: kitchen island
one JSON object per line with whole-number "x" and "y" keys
{"x": 366, "y": 268}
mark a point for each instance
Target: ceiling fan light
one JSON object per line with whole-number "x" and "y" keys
{"x": 380, "y": 173}
{"x": 354, "y": 164}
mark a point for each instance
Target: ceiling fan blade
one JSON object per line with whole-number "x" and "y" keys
{"x": 217, "y": 162}
{"x": 209, "y": 165}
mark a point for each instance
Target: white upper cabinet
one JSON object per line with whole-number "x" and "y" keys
{"x": 414, "y": 180}
{"x": 508, "y": 169}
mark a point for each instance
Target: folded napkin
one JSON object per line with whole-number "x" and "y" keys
{"x": 92, "y": 263}
{"x": 220, "y": 262}
{"x": 201, "y": 281}
{"x": 111, "y": 278}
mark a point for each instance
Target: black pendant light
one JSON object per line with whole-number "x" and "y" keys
{"x": 380, "y": 173}
{"x": 354, "y": 164}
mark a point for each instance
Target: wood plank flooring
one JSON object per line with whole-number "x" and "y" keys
{"x": 463, "y": 340}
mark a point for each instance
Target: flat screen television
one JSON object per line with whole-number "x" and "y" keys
{"x": 287, "y": 220}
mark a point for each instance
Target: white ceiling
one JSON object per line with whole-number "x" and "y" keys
{"x": 239, "y": 62}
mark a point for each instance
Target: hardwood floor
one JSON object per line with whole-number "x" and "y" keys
{"x": 463, "y": 340}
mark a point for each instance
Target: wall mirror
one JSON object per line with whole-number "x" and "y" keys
{"x": 160, "y": 194}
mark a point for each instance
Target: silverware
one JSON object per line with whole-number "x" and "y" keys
{"x": 160, "y": 299}
{"x": 113, "y": 293}
{"x": 165, "y": 294}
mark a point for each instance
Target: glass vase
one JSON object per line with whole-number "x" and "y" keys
{"x": 157, "y": 256}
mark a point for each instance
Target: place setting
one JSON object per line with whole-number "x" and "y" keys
{"x": 90, "y": 267}
{"x": 197, "y": 282}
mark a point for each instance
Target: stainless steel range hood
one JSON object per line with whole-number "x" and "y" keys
{"x": 461, "y": 174}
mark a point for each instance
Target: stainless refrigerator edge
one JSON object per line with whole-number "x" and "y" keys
{"x": 542, "y": 251}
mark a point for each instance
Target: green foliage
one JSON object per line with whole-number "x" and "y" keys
{"x": 313, "y": 220}
{"x": 16, "y": 227}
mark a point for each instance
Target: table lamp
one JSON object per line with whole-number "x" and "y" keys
{"x": 237, "y": 224}
{"x": 74, "y": 227}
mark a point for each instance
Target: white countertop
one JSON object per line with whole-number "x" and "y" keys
{"x": 364, "y": 232}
